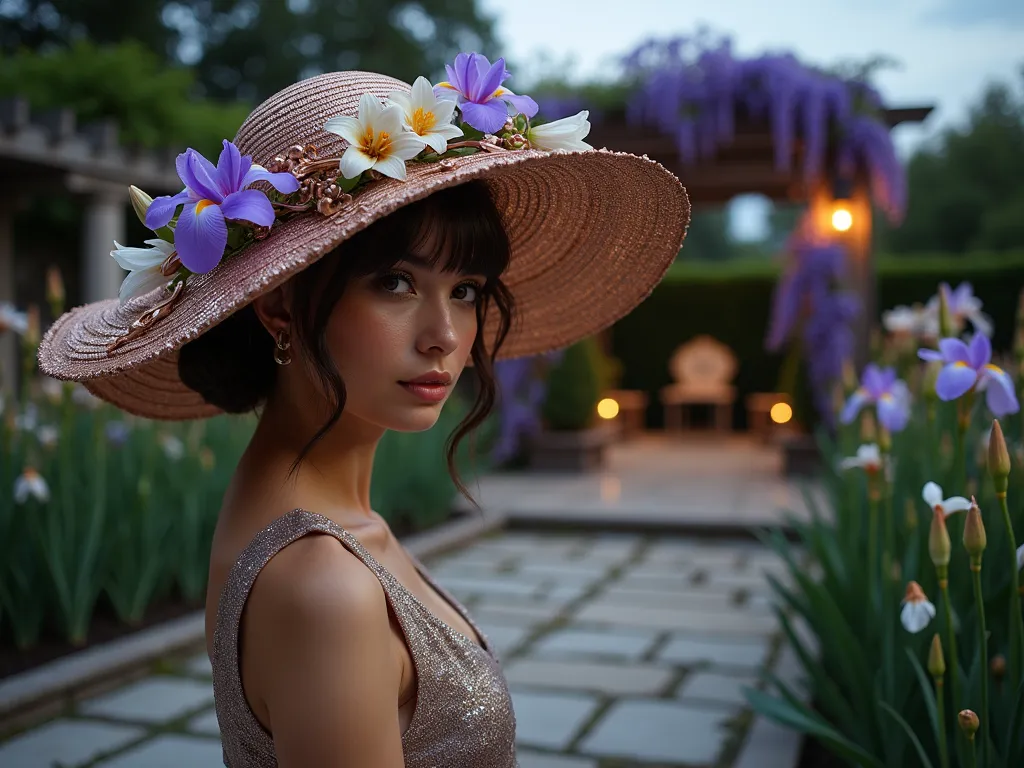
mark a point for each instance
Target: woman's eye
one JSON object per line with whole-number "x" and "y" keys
{"x": 393, "y": 283}
{"x": 466, "y": 292}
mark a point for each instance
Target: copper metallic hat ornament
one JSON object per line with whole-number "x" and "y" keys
{"x": 591, "y": 231}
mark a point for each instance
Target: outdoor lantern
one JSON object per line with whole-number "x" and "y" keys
{"x": 781, "y": 413}
{"x": 842, "y": 219}
{"x": 608, "y": 408}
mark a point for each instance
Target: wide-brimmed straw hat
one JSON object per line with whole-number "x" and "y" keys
{"x": 591, "y": 231}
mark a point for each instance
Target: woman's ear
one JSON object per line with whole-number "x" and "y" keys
{"x": 273, "y": 309}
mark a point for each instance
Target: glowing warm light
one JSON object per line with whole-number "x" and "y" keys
{"x": 781, "y": 413}
{"x": 842, "y": 219}
{"x": 608, "y": 408}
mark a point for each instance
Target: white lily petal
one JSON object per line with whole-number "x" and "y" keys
{"x": 423, "y": 93}
{"x": 161, "y": 245}
{"x": 401, "y": 100}
{"x": 444, "y": 110}
{"x": 349, "y": 128}
{"x": 137, "y": 258}
{"x": 436, "y": 142}
{"x": 406, "y": 145}
{"x": 915, "y": 616}
{"x": 955, "y": 504}
{"x": 140, "y": 282}
{"x": 370, "y": 108}
{"x": 392, "y": 166}
{"x": 932, "y": 494}
{"x": 388, "y": 121}
{"x": 354, "y": 162}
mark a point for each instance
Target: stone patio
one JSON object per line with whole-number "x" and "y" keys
{"x": 725, "y": 484}
{"x": 620, "y": 650}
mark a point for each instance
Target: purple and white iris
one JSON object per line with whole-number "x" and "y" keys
{"x": 212, "y": 196}
{"x": 477, "y": 87}
{"x": 969, "y": 368}
{"x": 890, "y": 396}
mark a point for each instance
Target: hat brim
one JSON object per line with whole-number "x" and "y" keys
{"x": 591, "y": 233}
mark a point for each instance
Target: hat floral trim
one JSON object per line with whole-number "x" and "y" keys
{"x": 219, "y": 212}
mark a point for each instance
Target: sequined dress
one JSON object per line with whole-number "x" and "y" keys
{"x": 463, "y": 717}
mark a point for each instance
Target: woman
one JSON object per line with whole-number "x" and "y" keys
{"x": 338, "y": 289}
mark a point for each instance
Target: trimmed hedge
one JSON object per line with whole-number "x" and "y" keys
{"x": 731, "y": 301}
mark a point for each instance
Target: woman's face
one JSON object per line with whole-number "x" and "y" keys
{"x": 400, "y": 340}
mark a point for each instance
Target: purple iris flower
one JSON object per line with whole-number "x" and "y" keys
{"x": 970, "y": 367}
{"x": 477, "y": 86}
{"x": 890, "y": 396}
{"x": 212, "y": 196}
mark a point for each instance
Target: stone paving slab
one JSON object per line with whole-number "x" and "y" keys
{"x": 170, "y": 751}
{"x": 545, "y": 719}
{"x": 153, "y": 700}
{"x": 622, "y": 644}
{"x": 206, "y": 724}
{"x": 531, "y": 759}
{"x": 717, "y": 687}
{"x": 658, "y": 730}
{"x": 612, "y": 679}
{"x": 726, "y": 622}
{"x": 70, "y": 742}
{"x": 720, "y": 651}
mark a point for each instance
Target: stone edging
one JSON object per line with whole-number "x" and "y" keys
{"x": 49, "y": 687}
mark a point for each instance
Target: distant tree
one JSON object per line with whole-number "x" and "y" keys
{"x": 244, "y": 49}
{"x": 153, "y": 103}
{"x": 966, "y": 190}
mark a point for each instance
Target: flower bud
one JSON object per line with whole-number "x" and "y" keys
{"x": 55, "y": 290}
{"x": 998, "y": 459}
{"x": 946, "y": 327}
{"x": 998, "y": 667}
{"x": 939, "y": 545}
{"x": 968, "y": 723}
{"x": 936, "y": 661}
{"x": 140, "y": 202}
{"x": 974, "y": 535}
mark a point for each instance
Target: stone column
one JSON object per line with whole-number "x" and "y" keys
{"x": 8, "y": 341}
{"x": 104, "y": 223}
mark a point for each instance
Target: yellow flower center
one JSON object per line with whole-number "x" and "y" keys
{"x": 423, "y": 122}
{"x": 203, "y": 204}
{"x": 376, "y": 145}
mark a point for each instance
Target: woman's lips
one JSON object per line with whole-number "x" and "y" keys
{"x": 431, "y": 393}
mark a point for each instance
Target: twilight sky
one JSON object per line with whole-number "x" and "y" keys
{"x": 947, "y": 49}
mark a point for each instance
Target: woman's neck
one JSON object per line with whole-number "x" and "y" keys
{"x": 333, "y": 477}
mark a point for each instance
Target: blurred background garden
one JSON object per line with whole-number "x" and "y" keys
{"x": 850, "y": 297}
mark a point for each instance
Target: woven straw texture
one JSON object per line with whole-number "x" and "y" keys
{"x": 591, "y": 232}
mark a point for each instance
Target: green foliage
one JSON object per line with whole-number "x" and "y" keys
{"x": 250, "y": 50}
{"x": 574, "y": 385}
{"x": 871, "y": 700}
{"x": 732, "y": 300}
{"x": 964, "y": 191}
{"x": 153, "y": 104}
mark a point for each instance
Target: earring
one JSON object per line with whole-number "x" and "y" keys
{"x": 283, "y": 344}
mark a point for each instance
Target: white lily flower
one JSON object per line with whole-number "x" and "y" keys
{"x": 143, "y": 265}
{"x": 932, "y": 495}
{"x": 31, "y": 484}
{"x": 53, "y": 389}
{"x": 376, "y": 139}
{"x": 83, "y": 397}
{"x": 28, "y": 419}
{"x": 426, "y": 116}
{"x": 47, "y": 435}
{"x": 567, "y": 133}
{"x": 12, "y": 320}
{"x": 174, "y": 449}
{"x": 868, "y": 458}
{"x": 917, "y": 611}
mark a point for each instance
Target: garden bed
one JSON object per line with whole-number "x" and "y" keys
{"x": 105, "y": 627}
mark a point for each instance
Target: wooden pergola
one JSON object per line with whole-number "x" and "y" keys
{"x": 747, "y": 165}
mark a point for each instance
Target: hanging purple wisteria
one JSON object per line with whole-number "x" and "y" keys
{"x": 693, "y": 88}
{"x": 810, "y": 309}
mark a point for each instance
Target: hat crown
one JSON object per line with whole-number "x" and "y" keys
{"x": 296, "y": 114}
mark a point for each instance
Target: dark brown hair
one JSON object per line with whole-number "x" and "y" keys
{"x": 232, "y": 365}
